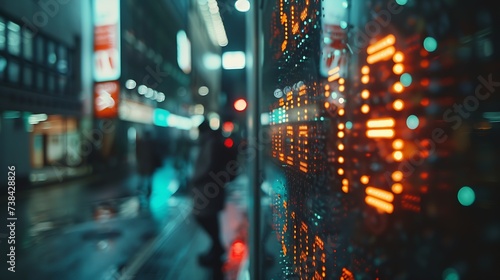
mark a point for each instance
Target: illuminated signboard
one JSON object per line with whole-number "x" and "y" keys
{"x": 135, "y": 112}
{"x": 106, "y": 99}
{"x": 107, "y": 65}
{"x": 183, "y": 51}
{"x": 160, "y": 117}
{"x": 333, "y": 37}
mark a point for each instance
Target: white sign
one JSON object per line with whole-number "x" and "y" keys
{"x": 135, "y": 112}
{"x": 107, "y": 63}
{"x": 333, "y": 38}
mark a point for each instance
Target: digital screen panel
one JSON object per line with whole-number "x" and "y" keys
{"x": 383, "y": 123}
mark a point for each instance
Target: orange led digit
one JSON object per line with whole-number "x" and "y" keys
{"x": 379, "y": 123}
{"x": 385, "y": 42}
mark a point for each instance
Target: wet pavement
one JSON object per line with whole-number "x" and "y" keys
{"x": 92, "y": 229}
{"x": 174, "y": 255}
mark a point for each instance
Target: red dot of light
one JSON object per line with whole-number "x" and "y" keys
{"x": 228, "y": 142}
{"x": 424, "y": 63}
{"x": 424, "y": 189}
{"x": 425, "y": 82}
{"x": 237, "y": 250}
{"x": 228, "y": 127}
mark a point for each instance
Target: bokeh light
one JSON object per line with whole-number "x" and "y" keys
{"x": 405, "y": 79}
{"x": 412, "y": 122}
{"x": 466, "y": 196}
{"x": 430, "y": 44}
{"x": 451, "y": 274}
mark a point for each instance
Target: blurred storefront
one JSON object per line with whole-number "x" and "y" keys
{"x": 43, "y": 85}
{"x": 92, "y": 75}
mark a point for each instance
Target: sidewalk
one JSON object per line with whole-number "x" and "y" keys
{"x": 173, "y": 255}
{"x": 83, "y": 227}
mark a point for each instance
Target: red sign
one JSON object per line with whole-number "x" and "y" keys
{"x": 106, "y": 96}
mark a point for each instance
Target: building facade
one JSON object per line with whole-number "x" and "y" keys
{"x": 43, "y": 85}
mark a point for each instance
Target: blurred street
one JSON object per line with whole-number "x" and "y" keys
{"x": 93, "y": 228}
{"x": 249, "y": 140}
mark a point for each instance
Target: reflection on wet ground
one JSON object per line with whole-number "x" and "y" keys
{"x": 104, "y": 230}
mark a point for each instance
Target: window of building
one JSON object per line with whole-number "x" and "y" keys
{"x": 14, "y": 38}
{"x": 28, "y": 44}
{"x": 28, "y": 77}
{"x": 3, "y": 67}
{"x": 2, "y": 34}
{"x": 51, "y": 84}
{"x": 40, "y": 56}
{"x": 51, "y": 54}
{"x": 62, "y": 84}
{"x": 62, "y": 63}
{"x": 33, "y": 61}
{"x": 14, "y": 71}
{"x": 40, "y": 80}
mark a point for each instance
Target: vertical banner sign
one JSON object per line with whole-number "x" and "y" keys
{"x": 106, "y": 96}
{"x": 333, "y": 37}
{"x": 107, "y": 65}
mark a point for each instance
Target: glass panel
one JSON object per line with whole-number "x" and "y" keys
{"x": 62, "y": 84}
{"x": 14, "y": 38}
{"x": 40, "y": 80}
{"x": 14, "y": 71}
{"x": 28, "y": 77}
{"x": 40, "y": 48}
{"x": 51, "y": 84}
{"x": 28, "y": 44}
{"x": 3, "y": 67}
{"x": 2, "y": 34}
{"x": 379, "y": 155}
{"x": 62, "y": 64}
{"x": 51, "y": 54}
{"x": 69, "y": 62}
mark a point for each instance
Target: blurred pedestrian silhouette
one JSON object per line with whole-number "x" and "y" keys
{"x": 214, "y": 167}
{"x": 182, "y": 162}
{"x": 148, "y": 160}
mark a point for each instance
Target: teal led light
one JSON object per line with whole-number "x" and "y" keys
{"x": 412, "y": 122}
{"x": 450, "y": 274}
{"x": 402, "y": 2}
{"x": 430, "y": 44}
{"x": 160, "y": 117}
{"x": 348, "y": 125}
{"x": 466, "y": 196}
{"x": 406, "y": 79}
